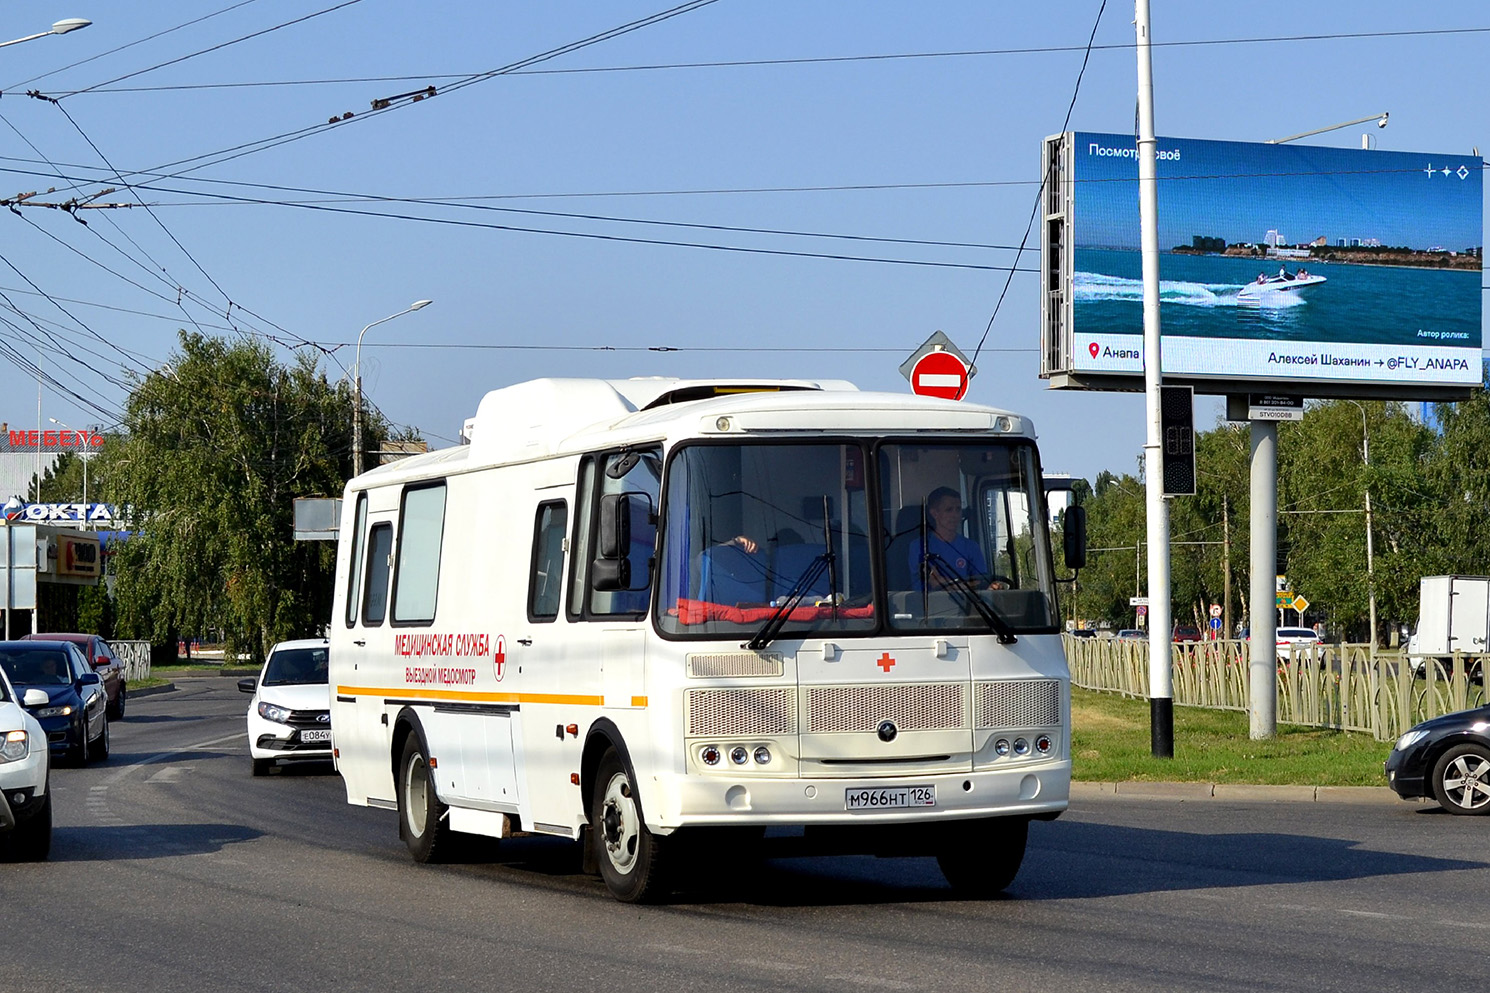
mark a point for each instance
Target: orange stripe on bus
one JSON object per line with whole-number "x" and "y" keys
{"x": 466, "y": 696}
{"x": 638, "y": 701}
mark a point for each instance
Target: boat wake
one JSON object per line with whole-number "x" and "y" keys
{"x": 1092, "y": 287}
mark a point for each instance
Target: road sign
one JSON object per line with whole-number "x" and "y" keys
{"x": 1138, "y": 601}
{"x": 938, "y": 369}
{"x": 1300, "y": 604}
{"x": 1143, "y": 610}
{"x": 1215, "y": 611}
{"x": 1215, "y": 623}
{"x": 939, "y": 374}
{"x": 1285, "y": 598}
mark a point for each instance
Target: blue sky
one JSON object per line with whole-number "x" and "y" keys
{"x": 1240, "y": 191}
{"x": 946, "y": 147}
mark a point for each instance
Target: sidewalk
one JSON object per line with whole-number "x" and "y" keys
{"x": 1239, "y": 792}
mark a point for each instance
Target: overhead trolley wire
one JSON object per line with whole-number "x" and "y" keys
{"x": 132, "y": 44}
{"x": 810, "y": 60}
{"x": 1040, "y": 193}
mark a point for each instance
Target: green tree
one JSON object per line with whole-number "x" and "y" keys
{"x": 218, "y": 444}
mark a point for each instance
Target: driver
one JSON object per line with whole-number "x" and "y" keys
{"x": 947, "y": 549}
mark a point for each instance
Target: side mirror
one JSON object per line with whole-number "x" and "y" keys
{"x": 1074, "y": 520}
{"x": 248, "y": 684}
{"x": 610, "y": 574}
{"x": 35, "y": 698}
{"x": 615, "y": 526}
{"x": 90, "y": 679}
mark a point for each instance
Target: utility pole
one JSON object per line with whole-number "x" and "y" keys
{"x": 1161, "y": 678}
{"x": 1226, "y": 566}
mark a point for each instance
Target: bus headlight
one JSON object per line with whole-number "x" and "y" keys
{"x": 709, "y": 755}
{"x": 762, "y": 755}
{"x": 1043, "y": 744}
{"x": 739, "y": 755}
{"x": 1001, "y": 746}
{"x": 1021, "y": 746}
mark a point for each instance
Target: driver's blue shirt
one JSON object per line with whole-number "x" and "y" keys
{"x": 961, "y": 555}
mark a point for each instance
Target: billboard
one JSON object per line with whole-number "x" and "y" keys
{"x": 1287, "y": 268}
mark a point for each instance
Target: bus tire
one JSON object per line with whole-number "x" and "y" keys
{"x": 423, "y": 821}
{"x": 981, "y": 858}
{"x": 632, "y": 860}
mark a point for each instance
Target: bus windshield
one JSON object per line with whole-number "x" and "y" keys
{"x": 841, "y": 538}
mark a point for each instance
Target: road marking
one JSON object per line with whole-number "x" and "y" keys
{"x": 120, "y": 773}
{"x": 166, "y": 775}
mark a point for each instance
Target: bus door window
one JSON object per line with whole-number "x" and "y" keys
{"x": 548, "y": 560}
{"x": 636, "y": 472}
{"x": 379, "y": 567}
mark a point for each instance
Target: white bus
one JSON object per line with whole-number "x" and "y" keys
{"x": 631, "y": 613}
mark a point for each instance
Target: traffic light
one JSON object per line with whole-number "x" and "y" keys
{"x": 1177, "y": 424}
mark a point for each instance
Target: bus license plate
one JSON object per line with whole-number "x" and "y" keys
{"x": 316, "y": 734}
{"x": 885, "y": 798}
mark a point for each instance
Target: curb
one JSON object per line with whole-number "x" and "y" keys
{"x": 1237, "y": 792}
{"x": 151, "y": 690}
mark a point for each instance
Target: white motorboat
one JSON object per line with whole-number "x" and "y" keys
{"x": 1281, "y": 283}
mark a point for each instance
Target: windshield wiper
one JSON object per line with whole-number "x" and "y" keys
{"x": 777, "y": 620}
{"x": 959, "y": 584}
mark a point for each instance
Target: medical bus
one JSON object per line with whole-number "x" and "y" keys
{"x": 651, "y": 614}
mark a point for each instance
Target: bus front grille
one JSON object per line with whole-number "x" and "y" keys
{"x": 912, "y": 706}
{"x": 1018, "y": 703}
{"x": 733, "y": 712}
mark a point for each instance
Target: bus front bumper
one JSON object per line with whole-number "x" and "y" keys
{"x": 1042, "y": 790}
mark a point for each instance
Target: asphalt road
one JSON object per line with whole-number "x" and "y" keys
{"x": 173, "y": 869}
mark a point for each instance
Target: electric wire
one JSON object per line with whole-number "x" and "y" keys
{"x": 814, "y": 60}
{"x": 1040, "y": 193}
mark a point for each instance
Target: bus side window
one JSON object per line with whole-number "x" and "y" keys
{"x": 375, "y": 589}
{"x": 354, "y": 574}
{"x": 548, "y": 560}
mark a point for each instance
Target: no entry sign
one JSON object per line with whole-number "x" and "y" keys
{"x": 939, "y": 374}
{"x": 938, "y": 369}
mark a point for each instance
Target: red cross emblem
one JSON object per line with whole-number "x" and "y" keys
{"x": 885, "y": 661}
{"x": 499, "y": 658}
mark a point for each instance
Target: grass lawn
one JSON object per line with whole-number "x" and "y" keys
{"x": 1110, "y": 743}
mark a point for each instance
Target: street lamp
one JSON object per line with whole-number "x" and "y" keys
{"x": 61, "y": 27}
{"x": 357, "y": 383}
{"x": 83, "y": 454}
{"x": 1366, "y": 485}
{"x": 1380, "y": 119}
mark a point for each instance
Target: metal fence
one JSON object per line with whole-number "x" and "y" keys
{"x": 1328, "y": 686}
{"x": 136, "y": 658}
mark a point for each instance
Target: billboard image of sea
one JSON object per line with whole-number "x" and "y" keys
{"x": 1282, "y": 261}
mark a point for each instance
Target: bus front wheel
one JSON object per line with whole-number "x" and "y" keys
{"x": 632, "y": 860}
{"x": 422, "y": 818}
{"x": 981, "y": 858}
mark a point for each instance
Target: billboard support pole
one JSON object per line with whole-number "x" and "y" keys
{"x": 1262, "y": 657}
{"x": 1161, "y": 683}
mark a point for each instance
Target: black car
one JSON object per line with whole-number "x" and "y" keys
{"x": 75, "y": 716}
{"x": 1447, "y": 759}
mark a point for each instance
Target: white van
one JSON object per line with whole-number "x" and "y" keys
{"x": 630, "y": 612}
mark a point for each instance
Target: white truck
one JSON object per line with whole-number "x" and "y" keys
{"x": 637, "y": 613}
{"x": 1453, "y": 616}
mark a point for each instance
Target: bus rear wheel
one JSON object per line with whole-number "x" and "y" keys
{"x": 981, "y": 858}
{"x": 632, "y": 860}
{"x": 423, "y": 821}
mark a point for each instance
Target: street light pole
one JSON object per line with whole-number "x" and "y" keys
{"x": 83, "y": 454}
{"x": 1370, "y": 544}
{"x": 357, "y": 383}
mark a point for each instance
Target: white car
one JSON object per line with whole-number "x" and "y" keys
{"x": 290, "y": 716}
{"x": 25, "y": 768}
{"x": 1300, "y": 638}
